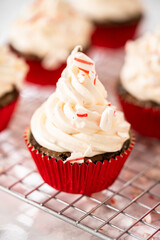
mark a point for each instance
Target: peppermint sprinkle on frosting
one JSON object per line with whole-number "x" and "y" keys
{"x": 77, "y": 117}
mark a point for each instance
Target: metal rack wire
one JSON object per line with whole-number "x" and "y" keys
{"x": 129, "y": 209}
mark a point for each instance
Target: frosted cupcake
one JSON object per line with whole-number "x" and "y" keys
{"x": 116, "y": 21}
{"x": 78, "y": 140}
{"x": 12, "y": 73}
{"x": 139, "y": 89}
{"x": 45, "y": 35}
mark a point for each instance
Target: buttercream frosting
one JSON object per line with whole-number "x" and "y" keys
{"x": 50, "y": 29}
{"x": 77, "y": 118}
{"x": 12, "y": 71}
{"x": 111, "y": 10}
{"x": 140, "y": 74}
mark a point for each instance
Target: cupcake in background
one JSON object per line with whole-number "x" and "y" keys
{"x": 45, "y": 34}
{"x": 139, "y": 88}
{"x": 78, "y": 140}
{"x": 116, "y": 21}
{"x": 12, "y": 73}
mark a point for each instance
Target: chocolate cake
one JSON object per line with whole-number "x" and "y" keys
{"x": 9, "y": 97}
{"x": 64, "y": 155}
{"x": 26, "y": 56}
{"x": 120, "y": 22}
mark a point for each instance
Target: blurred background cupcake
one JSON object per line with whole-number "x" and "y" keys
{"x": 139, "y": 88}
{"x": 116, "y": 21}
{"x": 12, "y": 73}
{"x": 45, "y": 34}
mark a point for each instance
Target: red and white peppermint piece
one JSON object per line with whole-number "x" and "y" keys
{"x": 81, "y": 77}
{"x": 81, "y": 112}
{"x": 93, "y": 77}
{"x": 148, "y": 219}
{"x": 75, "y": 157}
{"x": 107, "y": 119}
{"x": 79, "y": 160}
{"x": 83, "y": 62}
{"x": 88, "y": 161}
{"x": 82, "y": 115}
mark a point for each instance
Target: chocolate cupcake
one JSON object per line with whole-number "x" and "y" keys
{"x": 78, "y": 140}
{"x": 139, "y": 87}
{"x": 65, "y": 155}
{"x": 12, "y": 73}
{"x": 116, "y": 21}
{"x": 45, "y": 35}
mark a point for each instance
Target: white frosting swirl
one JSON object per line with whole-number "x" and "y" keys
{"x": 77, "y": 118}
{"x": 12, "y": 71}
{"x": 112, "y": 10}
{"x": 140, "y": 74}
{"x": 50, "y": 29}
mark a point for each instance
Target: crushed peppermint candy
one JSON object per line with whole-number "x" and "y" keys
{"x": 75, "y": 157}
{"x": 148, "y": 218}
{"x": 76, "y": 160}
{"x": 88, "y": 161}
{"x": 93, "y": 77}
{"x": 82, "y": 115}
{"x": 81, "y": 77}
{"x": 107, "y": 119}
{"x": 86, "y": 71}
{"x": 83, "y": 62}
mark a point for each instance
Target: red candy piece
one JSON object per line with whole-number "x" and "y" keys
{"x": 86, "y": 71}
{"x": 95, "y": 79}
{"x": 83, "y": 61}
{"x": 76, "y": 159}
{"x": 82, "y": 115}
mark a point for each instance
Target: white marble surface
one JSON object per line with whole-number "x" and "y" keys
{"x": 19, "y": 220}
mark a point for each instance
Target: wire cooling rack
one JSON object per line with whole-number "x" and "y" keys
{"x": 129, "y": 209}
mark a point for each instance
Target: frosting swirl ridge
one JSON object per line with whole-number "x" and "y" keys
{"x": 77, "y": 118}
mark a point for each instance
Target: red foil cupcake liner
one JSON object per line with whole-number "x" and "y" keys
{"x": 6, "y": 114}
{"x": 113, "y": 36}
{"x": 39, "y": 75}
{"x": 78, "y": 178}
{"x": 146, "y": 121}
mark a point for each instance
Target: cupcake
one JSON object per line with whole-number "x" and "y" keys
{"x": 78, "y": 140}
{"x": 12, "y": 73}
{"x": 116, "y": 21}
{"x": 45, "y": 35}
{"x": 139, "y": 87}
